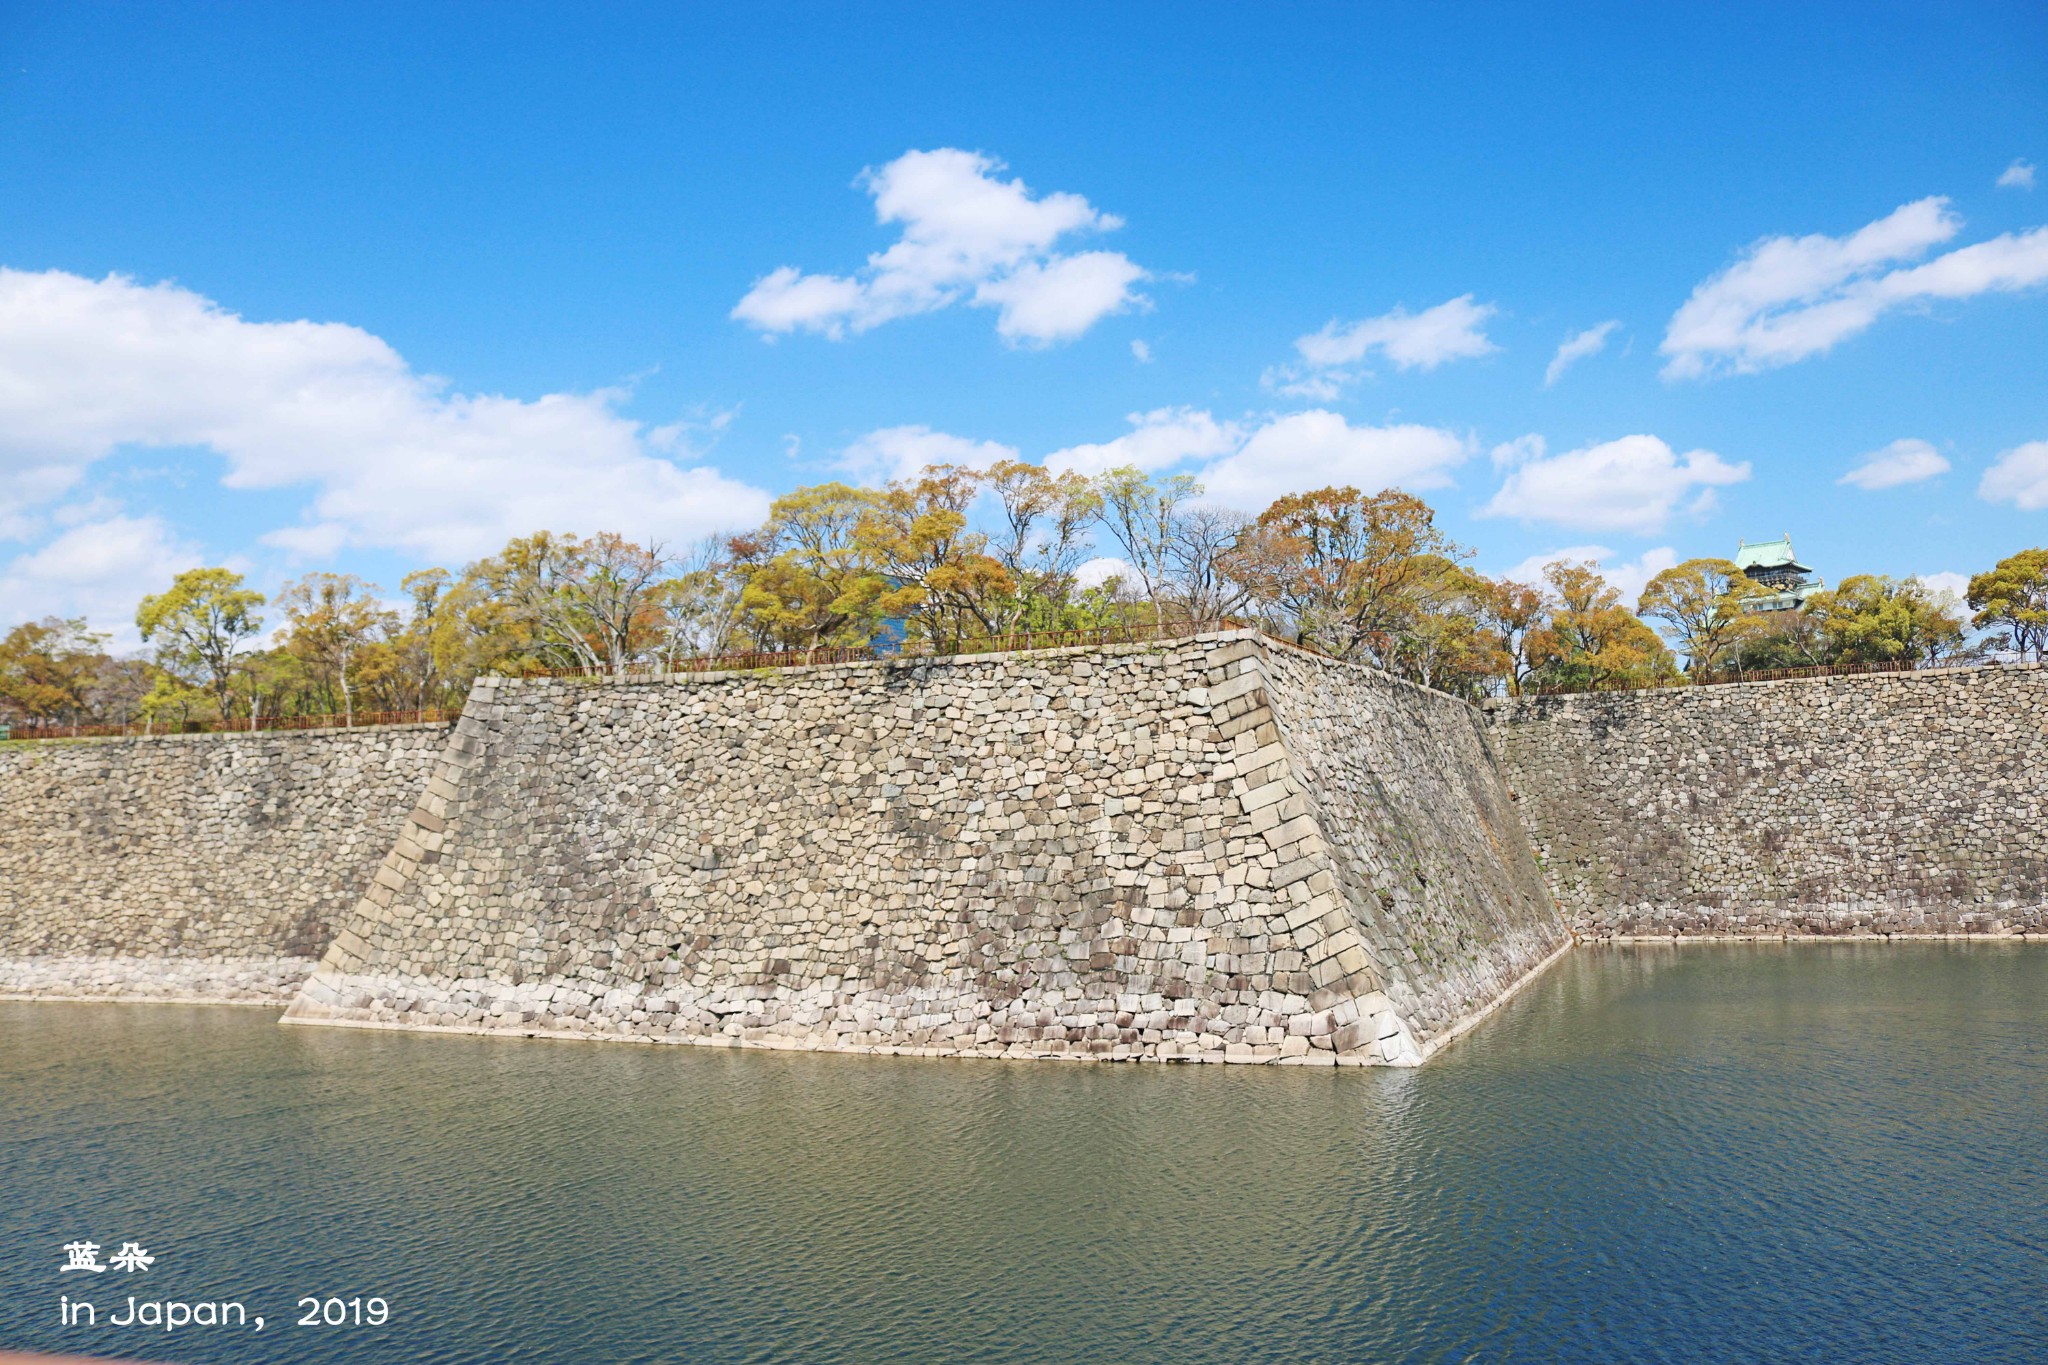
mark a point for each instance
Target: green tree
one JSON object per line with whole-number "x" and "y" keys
{"x": 272, "y": 682}
{"x": 1142, "y": 517}
{"x": 1704, "y": 605}
{"x": 1873, "y": 619}
{"x": 171, "y": 700}
{"x": 1793, "y": 638}
{"x": 810, "y": 579}
{"x": 200, "y": 625}
{"x": 2013, "y": 597}
{"x": 334, "y": 619}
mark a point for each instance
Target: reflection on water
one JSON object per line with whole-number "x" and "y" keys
{"x": 1826, "y": 1152}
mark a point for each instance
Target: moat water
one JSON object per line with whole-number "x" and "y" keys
{"x": 1814, "y": 1153}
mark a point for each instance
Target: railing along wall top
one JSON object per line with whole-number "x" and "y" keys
{"x": 1756, "y": 675}
{"x": 438, "y": 715}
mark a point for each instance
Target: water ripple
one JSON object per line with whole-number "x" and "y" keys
{"x": 1816, "y": 1153}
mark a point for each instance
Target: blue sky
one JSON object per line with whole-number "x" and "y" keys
{"x": 370, "y": 288}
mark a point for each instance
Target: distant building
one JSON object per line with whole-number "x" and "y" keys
{"x": 1773, "y": 565}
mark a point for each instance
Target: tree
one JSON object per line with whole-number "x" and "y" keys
{"x": 424, "y": 652}
{"x": 1198, "y": 563}
{"x": 1591, "y": 641}
{"x": 1142, "y": 517}
{"x": 1042, "y": 540}
{"x": 2014, "y": 596}
{"x": 50, "y": 670}
{"x": 1704, "y": 605}
{"x": 559, "y": 601}
{"x": 695, "y": 610}
{"x": 276, "y": 682}
{"x": 1442, "y": 641}
{"x": 334, "y": 618}
{"x": 1341, "y": 566}
{"x": 600, "y": 596}
{"x": 1873, "y": 619}
{"x": 937, "y": 570}
{"x": 810, "y": 580}
{"x": 117, "y": 689}
{"x": 1793, "y": 638}
{"x": 1510, "y": 612}
{"x": 200, "y": 625}
{"x": 170, "y": 698}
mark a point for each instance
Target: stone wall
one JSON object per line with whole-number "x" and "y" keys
{"x": 1216, "y": 848}
{"x": 1889, "y": 803}
{"x": 1428, "y": 852}
{"x": 193, "y": 866}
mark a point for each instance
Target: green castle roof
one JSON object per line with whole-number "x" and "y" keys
{"x": 1769, "y": 554}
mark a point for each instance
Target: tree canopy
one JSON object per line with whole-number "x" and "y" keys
{"x": 952, "y": 557}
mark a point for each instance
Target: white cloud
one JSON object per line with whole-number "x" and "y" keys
{"x": 966, "y": 235}
{"x": 1141, "y": 352}
{"x": 1628, "y": 575}
{"x": 1318, "y": 386}
{"x": 1901, "y": 462}
{"x": 1319, "y": 449}
{"x": 900, "y": 453}
{"x": 392, "y": 458}
{"x": 100, "y": 570}
{"x": 2018, "y": 176}
{"x": 1519, "y": 450}
{"x": 1095, "y": 572}
{"x": 1633, "y": 484}
{"x": 318, "y": 541}
{"x": 1247, "y": 465}
{"x": 1157, "y": 439}
{"x": 1449, "y": 331}
{"x": 1578, "y": 347}
{"x": 1061, "y": 298}
{"x": 2018, "y": 476}
{"x": 1419, "y": 341}
{"x": 1789, "y": 298}
{"x": 1948, "y": 584}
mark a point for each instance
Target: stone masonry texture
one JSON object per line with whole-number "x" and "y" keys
{"x": 1909, "y": 803}
{"x": 193, "y": 866}
{"x": 1218, "y": 848}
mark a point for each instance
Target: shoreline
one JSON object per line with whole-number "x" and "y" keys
{"x": 1223, "y": 1055}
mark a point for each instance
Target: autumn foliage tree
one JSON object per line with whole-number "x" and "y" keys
{"x": 1591, "y": 641}
{"x": 1341, "y": 567}
{"x": 953, "y": 558}
{"x": 49, "y": 670}
{"x": 334, "y": 619}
